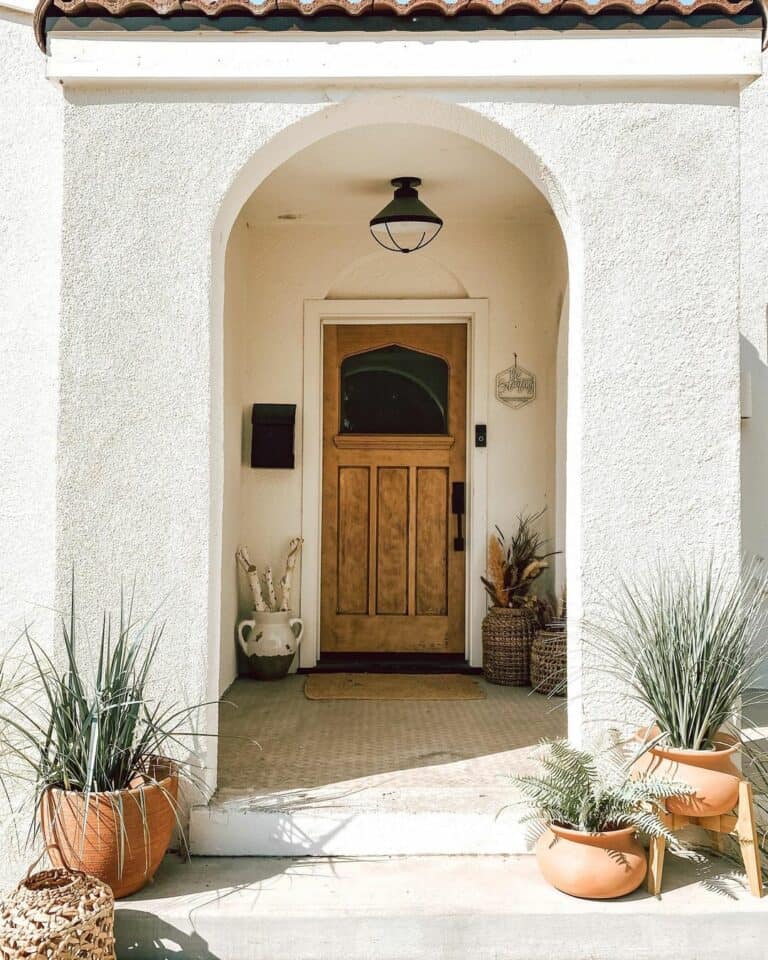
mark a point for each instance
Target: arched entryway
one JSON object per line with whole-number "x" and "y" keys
{"x": 299, "y": 261}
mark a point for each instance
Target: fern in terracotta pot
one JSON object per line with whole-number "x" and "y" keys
{"x": 93, "y": 744}
{"x": 688, "y": 645}
{"x": 591, "y": 809}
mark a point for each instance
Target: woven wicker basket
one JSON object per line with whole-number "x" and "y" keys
{"x": 549, "y": 669}
{"x": 507, "y": 637}
{"x": 58, "y": 915}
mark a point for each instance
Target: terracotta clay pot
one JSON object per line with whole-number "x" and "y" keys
{"x": 712, "y": 773}
{"x": 92, "y": 841}
{"x": 596, "y": 866}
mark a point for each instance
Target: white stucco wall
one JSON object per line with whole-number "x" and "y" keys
{"x": 643, "y": 176}
{"x": 518, "y": 266}
{"x": 118, "y": 192}
{"x": 236, "y": 454}
{"x": 561, "y": 449}
{"x": 30, "y": 205}
{"x": 754, "y": 315}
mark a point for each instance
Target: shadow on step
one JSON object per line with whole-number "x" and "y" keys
{"x": 145, "y": 935}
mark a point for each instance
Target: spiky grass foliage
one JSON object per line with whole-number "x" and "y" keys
{"x": 89, "y": 729}
{"x": 596, "y": 793}
{"x": 686, "y": 644}
{"x": 514, "y": 565}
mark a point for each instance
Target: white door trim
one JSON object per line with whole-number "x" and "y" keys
{"x": 320, "y": 313}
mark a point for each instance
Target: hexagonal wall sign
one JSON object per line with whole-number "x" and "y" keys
{"x": 515, "y": 386}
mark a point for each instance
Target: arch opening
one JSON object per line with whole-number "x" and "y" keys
{"x": 300, "y": 235}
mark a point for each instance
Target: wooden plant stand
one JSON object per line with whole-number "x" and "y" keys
{"x": 742, "y": 826}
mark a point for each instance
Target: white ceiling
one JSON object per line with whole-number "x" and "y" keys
{"x": 345, "y": 178}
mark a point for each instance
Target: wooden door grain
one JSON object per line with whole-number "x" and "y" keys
{"x": 391, "y": 579}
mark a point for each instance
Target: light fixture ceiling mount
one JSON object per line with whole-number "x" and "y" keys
{"x": 405, "y": 224}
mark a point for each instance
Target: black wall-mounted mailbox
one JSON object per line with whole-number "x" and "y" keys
{"x": 272, "y": 438}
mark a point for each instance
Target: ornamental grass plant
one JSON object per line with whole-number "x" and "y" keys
{"x": 82, "y": 719}
{"x": 687, "y": 644}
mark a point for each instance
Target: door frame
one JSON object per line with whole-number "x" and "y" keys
{"x": 321, "y": 313}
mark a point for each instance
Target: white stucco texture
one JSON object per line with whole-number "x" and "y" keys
{"x": 30, "y": 153}
{"x": 754, "y": 315}
{"x": 30, "y": 207}
{"x": 643, "y": 185}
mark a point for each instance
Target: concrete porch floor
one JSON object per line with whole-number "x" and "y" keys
{"x": 361, "y": 778}
{"x": 430, "y": 908}
{"x": 365, "y": 777}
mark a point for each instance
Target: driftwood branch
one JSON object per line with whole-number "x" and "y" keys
{"x": 294, "y": 548}
{"x": 271, "y": 595}
{"x": 253, "y": 578}
{"x": 269, "y": 603}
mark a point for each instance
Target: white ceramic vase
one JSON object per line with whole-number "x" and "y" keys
{"x": 270, "y": 644}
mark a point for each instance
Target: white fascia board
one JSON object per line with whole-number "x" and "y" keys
{"x": 26, "y": 7}
{"x": 509, "y": 60}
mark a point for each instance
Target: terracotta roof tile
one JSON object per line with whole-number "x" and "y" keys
{"x": 398, "y": 8}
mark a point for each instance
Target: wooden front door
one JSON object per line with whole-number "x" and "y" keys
{"x": 394, "y": 444}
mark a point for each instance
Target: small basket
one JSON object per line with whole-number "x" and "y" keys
{"x": 58, "y": 915}
{"x": 508, "y": 634}
{"x": 549, "y": 663}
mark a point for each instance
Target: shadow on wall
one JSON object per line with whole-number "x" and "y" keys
{"x": 754, "y": 457}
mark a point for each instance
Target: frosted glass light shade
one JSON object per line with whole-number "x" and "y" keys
{"x": 405, "y": 224}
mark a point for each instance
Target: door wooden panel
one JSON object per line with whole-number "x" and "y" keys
{"x": 392, "y": 541}
{"x": 353, "y": 526}
{"x": 432, "y": 541}
{"x": 391, "y": 579}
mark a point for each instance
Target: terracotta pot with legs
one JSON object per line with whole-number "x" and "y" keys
{"x": 712, "y": 773}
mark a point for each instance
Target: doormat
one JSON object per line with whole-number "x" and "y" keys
{"x": 392, "y": 686}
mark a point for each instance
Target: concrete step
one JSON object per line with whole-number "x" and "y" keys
{"x": 428, "y": 908}
{"x": 362, "y": 821}
{"x": 367, "y": 778}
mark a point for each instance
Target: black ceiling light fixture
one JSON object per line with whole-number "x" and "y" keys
{"x": 405, "y": 224}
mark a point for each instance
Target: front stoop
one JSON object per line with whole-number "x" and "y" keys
{"x": 367, "y": 778}
{"x": 408, "y": 908}
{"x": 360, "y": 820}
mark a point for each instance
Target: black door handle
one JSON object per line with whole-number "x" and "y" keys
{"x": 458, "y": 507}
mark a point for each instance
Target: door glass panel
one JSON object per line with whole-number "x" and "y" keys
{"x": 394, "y": 390}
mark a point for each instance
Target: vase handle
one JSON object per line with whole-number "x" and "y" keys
{"x": 241, "y": 639}
{"x": 300, "y": 634}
